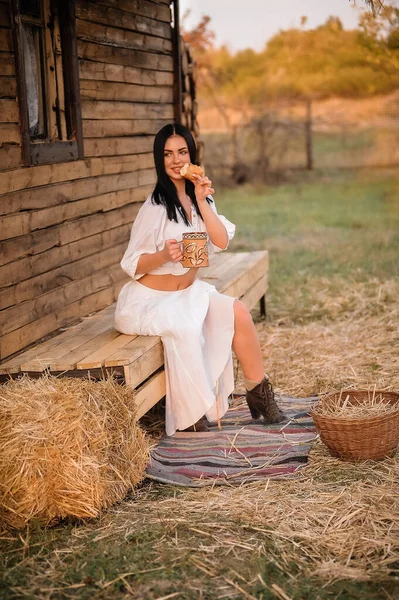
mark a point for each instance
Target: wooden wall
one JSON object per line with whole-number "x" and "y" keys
{"x": 64, "y": 227}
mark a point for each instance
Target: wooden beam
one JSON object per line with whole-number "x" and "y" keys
{"x": 27, "y": 222}
{"x": 9, "y": 133}
{"x": 177, "y": 64}
{"x": 24, "y": 269}
{"x": 118, "y": 127}
{"x": 56, "y": 299}
{"x": 8, "y": 111}
{"x": 125, "y": 92}
{"x": 20, "y": 338}
{"x": 7, "y": 63}
{"x": 10, "y": 156}
{"x": 35, "y": 358}
{"x": 150, "y": 393}
{"x": 124, "y": 56}
{"x": 6, "y": 43}
{"x": 32, "y": 199}
{"x": 23, "y": 117}
{"x": 145, "y": 8}
{"x": 54, "y": 278}
{"x": 122, "y": 38}
{"x": 22, "y": 179}
{"x": 8, "y": 87}
{"x": 119, "y": 145}
{"x": 125, "y": 74}
{"x": 62, "y": 235}
{"x": 71, "y": 78}
{"x": 125, "y": 110}
{"x": 143, "y": 21}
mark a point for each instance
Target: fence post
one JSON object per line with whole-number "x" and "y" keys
{"x": 308, "y": 135}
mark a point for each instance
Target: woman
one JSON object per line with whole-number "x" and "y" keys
{"x": 198, "y": 326}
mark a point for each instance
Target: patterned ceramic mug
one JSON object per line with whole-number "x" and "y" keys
{"x": 195, "y": 249}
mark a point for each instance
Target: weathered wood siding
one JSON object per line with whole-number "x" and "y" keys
{"x": 64, "y": 227}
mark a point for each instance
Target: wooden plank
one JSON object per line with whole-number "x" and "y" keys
{"x": 97, "y": 359}
{"x": 125, "y": 92}
{"x": 5, "y": 17}
{"x": 124, "y": 74}
{"x": 35, "y": 359}
{"x": 220, "y": 262}
{"x": 119, "y": 127}
{"x": 118, "y": 146}
{"x": 13, "y": 342}
{"x": 124, "y": 56}
{"x": 6, "y": 44}
{"x": 26, "y": 268}
{"x": 123, "y": 38}
{"x": 245, "y": 278}
{"x": 125, "y": 110}
{"x": 88, "y": 226}
{"x": 245, "y": 264}
{"x": 141, "y": 7}
{"x": 7, "y": 64}
{"x": 132, "y": 21}
{"x": 14, "y": 225}
{"x": 101, "y": 203}
{"x": 143, "y": 367}
{"x": 48, "y": 174}
{"x": 252, "y": 296}
{"x": 69, "y": 360}
{"x": 27, "y": 222}
{"x": 150, "y": 393}
{"x": 49, "y": 353}
{"x": 236, "y": 264}
{"x": 60, "y": 193}
{"x": 54, "y": 300}
{"x": 9, "y": 133}
{"x": 60, "y": 235}
{"x": 8, "y": 111}
{"x": 8, "y": 87}
{"x": 10, "y": 156}
{"x": 34, "y": 243}
{"x": 132, "y": 351}
{"x": 50, "y": 70}
{"x": 45, "y": 282}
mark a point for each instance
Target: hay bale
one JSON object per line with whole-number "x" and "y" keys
{"x": 68, "y": 447}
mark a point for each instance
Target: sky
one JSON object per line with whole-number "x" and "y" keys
{"x": 250, "y": 23}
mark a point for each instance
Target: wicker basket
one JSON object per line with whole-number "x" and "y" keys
{"x": 373, "y": 437}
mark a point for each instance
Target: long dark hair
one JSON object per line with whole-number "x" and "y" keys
{"x": 165, "y": 192}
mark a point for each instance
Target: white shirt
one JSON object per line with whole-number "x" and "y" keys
{"x": 152, "y": 228}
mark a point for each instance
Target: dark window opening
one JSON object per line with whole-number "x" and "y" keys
{"x": 48, "y": 80}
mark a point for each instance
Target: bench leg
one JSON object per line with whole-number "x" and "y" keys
{"x": 262, "y": 305}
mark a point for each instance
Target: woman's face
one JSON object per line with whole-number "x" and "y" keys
{"x": 176, "y": 154}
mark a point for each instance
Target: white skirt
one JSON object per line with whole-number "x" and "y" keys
{"x": 196, "y": 326}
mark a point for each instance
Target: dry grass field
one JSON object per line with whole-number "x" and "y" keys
{"x": 333, "y": 532}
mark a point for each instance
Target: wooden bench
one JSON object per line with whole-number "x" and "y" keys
{"x": 94, "y": 347}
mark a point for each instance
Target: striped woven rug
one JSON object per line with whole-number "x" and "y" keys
{"x": 243, "y": 450}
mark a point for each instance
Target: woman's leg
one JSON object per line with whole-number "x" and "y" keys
{"x": 260, "y": 395}
{"x": 246, "y": 343}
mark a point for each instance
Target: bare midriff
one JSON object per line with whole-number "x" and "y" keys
{"x": 169, "y": 283}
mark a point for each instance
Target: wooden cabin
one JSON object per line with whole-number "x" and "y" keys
{"x": 84, "y": 86}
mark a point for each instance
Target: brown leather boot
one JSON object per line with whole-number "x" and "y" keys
{"x": 261, "y": 401}
{"x": 201, "y": 425}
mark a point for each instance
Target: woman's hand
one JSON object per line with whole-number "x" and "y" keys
{"x": 172, "y": 251}
{"x": 202, "y": 187}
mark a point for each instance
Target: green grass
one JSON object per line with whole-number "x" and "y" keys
{"x": 87, "y": 560}
{"x": 341, "y": 225}
{"x": 331, "y": 226}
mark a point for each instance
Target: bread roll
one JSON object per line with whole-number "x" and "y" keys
{"x": 188, "y": 170}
